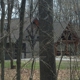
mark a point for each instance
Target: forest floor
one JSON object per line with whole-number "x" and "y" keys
{"x": 64, "y": 72}
{"x": 10, "y": 74}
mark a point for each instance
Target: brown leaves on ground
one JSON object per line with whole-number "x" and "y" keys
{"x": 10, "y": 74}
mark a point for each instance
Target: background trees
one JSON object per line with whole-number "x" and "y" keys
{"x": 48, "y": 13}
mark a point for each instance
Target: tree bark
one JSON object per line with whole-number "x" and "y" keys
{"x": 10, "y": 7}
{"x": 2, "y": 40}
{"x": 31, "y": 8}
{"x": 22, "y": 11}
{"x": 47, "y": 56}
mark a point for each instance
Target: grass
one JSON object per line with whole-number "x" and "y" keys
{"x": 64, "y": 64}
{"x": 25, "y": 64}
{"x": 7, "y": 64}
{"x": 29, "y": 64}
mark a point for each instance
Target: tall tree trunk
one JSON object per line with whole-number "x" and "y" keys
{"x": 22, "y": 11}
{"x": 32, "y": 40}
{"x": 10, "y": 7}
{"x": 2, "y": 40}
{"x": 47, "y": 57}
{"x": 31, "y": 8}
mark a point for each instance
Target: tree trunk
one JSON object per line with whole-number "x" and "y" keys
{"x": 22, "y": 11}
{"x": 47, "y": 57}
{"x": 10, "y": 7}
{"x": 31, "y": 8}
{"x": 2, "y": 40}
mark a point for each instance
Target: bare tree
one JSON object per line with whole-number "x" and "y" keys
{"x": 2, "y": 41}
{"x": 47, "y": 57}
{"x": 22, "y": 11}
{"x": 10, "y": 7}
